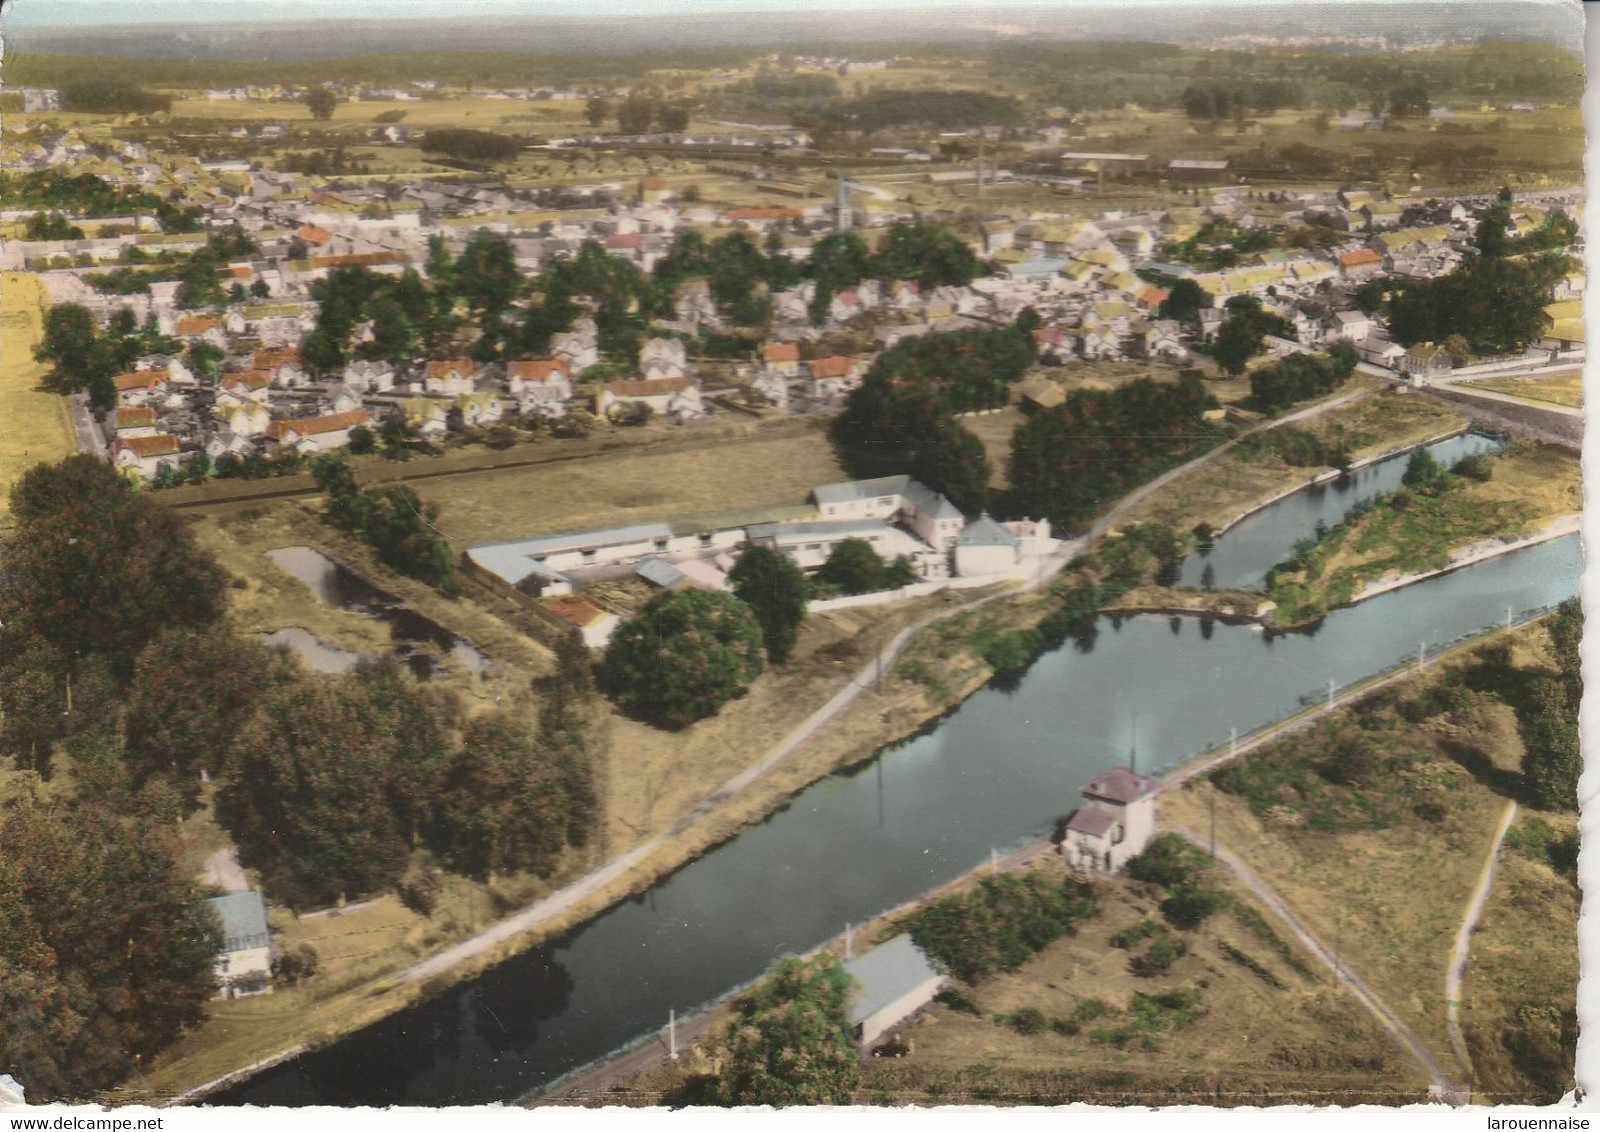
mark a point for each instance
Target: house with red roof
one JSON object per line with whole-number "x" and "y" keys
{"x": 311, "y": 435}
{"x": 674, "y": 397}
{"x": 145, "y": 455}
{"x": 247, "y": 387}
{"x": 285, "y": 366}
{"x": 451, "y": 377}
{"x": 835, "y": 375}
{"x": 1116, "y": 822}
{"x": 575, "y": 611}
{"x": 1360, "y": 264}
{"x": 782, "y": 357}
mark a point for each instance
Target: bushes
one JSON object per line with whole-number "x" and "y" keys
{"x": 1160, "y": 955}
{"x": 1001, "y": 923}
{"x": 1175, "y": 865}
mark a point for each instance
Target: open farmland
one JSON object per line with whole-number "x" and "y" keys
{"x": 618, "y": 489}
{"x": 35, "y": 427}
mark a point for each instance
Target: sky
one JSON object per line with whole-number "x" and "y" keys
{"x": 90, "y": 13}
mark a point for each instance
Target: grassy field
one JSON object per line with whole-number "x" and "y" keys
{"x": 1372, "y": 826}
{"x": 617, "y": 489}
{"x": 1565, "y": 389}
{"x": 35, "y": 427}
{"x": 1277, "y": 1034}
{"x": 1242, "y": 479}
{"x": 1521, "y": 981}
{"x": 1416, "y": 532}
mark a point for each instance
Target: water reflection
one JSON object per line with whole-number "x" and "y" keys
{"x": 414, "y": 636}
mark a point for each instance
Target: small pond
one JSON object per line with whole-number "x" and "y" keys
{"x": 417, "y": 639}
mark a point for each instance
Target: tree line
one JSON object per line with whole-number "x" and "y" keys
{"x": 116, "y": 657}
{"x": 1069, "y": 461}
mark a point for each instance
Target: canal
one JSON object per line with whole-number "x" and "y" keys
{"x": 1001, "y": 769}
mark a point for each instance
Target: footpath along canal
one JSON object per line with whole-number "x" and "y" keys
{"x": 998, "y": 771}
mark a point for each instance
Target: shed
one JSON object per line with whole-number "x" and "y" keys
{"x": 244, "y": 966}
{"x": 895, "y": 980}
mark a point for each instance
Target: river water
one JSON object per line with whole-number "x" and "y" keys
{"x": 998, "y": 771}
{"x": 1252, "y": 546}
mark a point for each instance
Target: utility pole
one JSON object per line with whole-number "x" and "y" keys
{"x": 1422, "y": 654}
{"x": 849, "y": 951}
{"x": 994, "y": 862}
{"x": 1330, "y": 695}
{"x": 1213, "y": 797}
{"x": 1233, "y": 741}
{"x": 672, "y": 1034}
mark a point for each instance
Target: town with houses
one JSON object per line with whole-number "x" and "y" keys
{"x": 1101, "y": 257}
{"x": 1098, "y": 281}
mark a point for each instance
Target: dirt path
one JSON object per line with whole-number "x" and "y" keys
{"x": 1443, "y": 1087}
{"x": 1462, "y": 948}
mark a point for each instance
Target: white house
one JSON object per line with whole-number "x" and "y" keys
{"x": 663, "y": 357}
{"x": 675, "y": 397}
{"x": 145, "y": 454}
{"x": 311, "y": 435}
{"x": 539, "y": 383}
{"x": 451, "y": 378}
{"x": 1115, "y": 825}
{"x": 895, "y": 980}
{"x": 244, "y": 965}
{"x": 369, "y": 377}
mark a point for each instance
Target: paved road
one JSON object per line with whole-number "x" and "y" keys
{"x": 1443, "y": 1086}
{"x": 1469, "y": 923}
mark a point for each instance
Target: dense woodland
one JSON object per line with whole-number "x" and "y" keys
{"x": 332, "y": 788}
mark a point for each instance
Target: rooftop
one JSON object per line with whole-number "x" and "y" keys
{"x": 887, "y": 974}
{"x": 244, "y": 920}
{"x": 1121, "y": 785}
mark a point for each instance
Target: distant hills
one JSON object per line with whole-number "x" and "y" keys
{"x": 1350, "y": 25}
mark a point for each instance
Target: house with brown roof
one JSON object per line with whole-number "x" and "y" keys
{"x": 145, "y": 455}
{"x": 1360, "y": 264}
{"x": 139, "y": 387}
{"x": 539, "y": 384}
{"x": 195, "y": 328}
{"x": 1116, "y": 822}
{"x": 135, "y": 420}
{"x": 676, "y": 398}
{"x": 311, "y": 435}
{"x": 836, "y": 374}
{"x": 248, "y": 386}
{"x": 285, "y": 365}
{"x": 1426, "y": 362}
{"x": 782, "y": 357}
{"x": 593, "y": 624}
{"x": 451, "y": 378}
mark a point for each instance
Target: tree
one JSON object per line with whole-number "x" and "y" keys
{"x": 1239, "y": 340}
{"x": 1185, "y": 300}
{"x": 596, "y": 110}
{"x": 307, "y": 792}
{"x": 205, "y": 361}
{"x": 260, "y": 290}
{"x": 683, "y": 656}
{"x": 1422, "y": 470}
{"x": 190, "y": 689}
{"x": 672, "y": 119}
{"x": 321, "y": 102}
{"x": 1491, "y": 238}
{"x": 1460, "y": 352}
{"x": 774, "y": 589}
{"x": 94, "y": 568}
{"x": 69, "y": 336}
{"x": 853, "y": 567}
{"x": 1548, "y": 719}
{"x": 502, "y": 805}
{"x": 106, "y": 949}
{"x": 635, "y": 113}
{"x": 791, "y": 1042}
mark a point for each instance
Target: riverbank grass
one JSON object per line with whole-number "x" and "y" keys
{"x": 1258, "y": 469}
{"x": 1372, "y": 826}
{"x": 1417, "y": 530}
